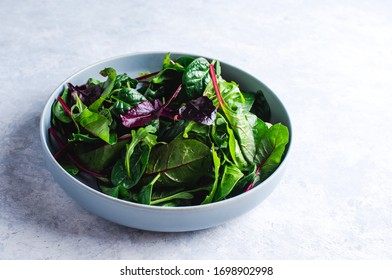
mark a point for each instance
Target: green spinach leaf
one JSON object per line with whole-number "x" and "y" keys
{"x": 95, "y": 123}
{"x": 217, "y": 163}
{"x": 184, "y": 61}
{"x": 196, "y": 77}
{"x": 168, "y": 129}
{"x": 261, "y": 107}
{"x": 176, "y": 196}
{"x": 124, "y": 81}
{"x": 231, "y": 175}
{"x": 225, "y": 138}
{"x": 101, "y": 157}
{"x": 180, "y": 162}
{"x": 197, "y": 131}
{"x": 270, "y": 150}
{"x": 107, "y": 88}
{"x": 126, "y": 98}
{"x": 58, "y": 110}
{"x": 129, "y": 169}
{"x": 145, "y": 193}
{"x": 139, "y": 158}
{"x": 117, "y": 192}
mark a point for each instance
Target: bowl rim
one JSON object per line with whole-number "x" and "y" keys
{"x": 45, "y": 145}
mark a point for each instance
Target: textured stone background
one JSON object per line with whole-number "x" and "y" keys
{"x": 330, "y": 62}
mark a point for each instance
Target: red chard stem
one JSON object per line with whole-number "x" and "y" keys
{"x": 173, "y": 96}
{"x": 66, "y": 109}
{"x": 53, "y": 132}
{"x": 81, "y": 167}
{"x": 146, "y": 76}
{"x": 216, "y": 87}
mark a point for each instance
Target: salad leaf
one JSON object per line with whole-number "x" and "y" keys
{"x": 230, "y": 177}
{"x": 169, "y": 70}
{"x": 93, "y": 82}
{"x": 236, "y": 152}
{"x": 200, "y": 110}
{"x": 152, "y": 91}
{"x": 176, "y": 196}
{"x": 80, "y": 137}
{"x": 197, "y": 131}
{"x": 229, "y": 95}
{"x": 136, "y": 163}
{"x": 180, "y": 162}
{"x": 119, "y": 175}
{"x": 86, "y": 93}
{"x": 110, "y": 191}
{"x": 244, "y": 183}
{"x": 170, "y": 129}
{"x": 248, "y": 101}
{"x": 142, "y": 114}
{"x": 270, "y": 150}
{"x": 123, "y": 81}
{"x": 261, "y": 107}
{"x": 145, "y": 193}
{"x": 58, "y": 110}
{"x": 142, "y": 135}
{"x": 95, "y": 123}
{"x": 146, "y": 112}
{"x": 126, "y": 98}
{"x": 217, "y": 163}
{"x": 69, "y": 166}
{"x": 184, "y": 61}
{"x": 179, "y": 196}
{"x": 101, "y": 157}
{"x": 224, "y": 138}
{"x": 259, "y": 127}
{"x": 107, "y": 88}
{"x": 129, "y": 169}
{"x": 129, "y": 176}
{"x": 196, "y": 77}
{"x": 117, "y": 192}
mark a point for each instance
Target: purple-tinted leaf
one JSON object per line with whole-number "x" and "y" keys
{"x": 145, "y": 112}
{"x": 200, "y": 110}
{"x": 169, "y": 113}
{"x": 87, "y": 94}
{"x": 142, "y": 114}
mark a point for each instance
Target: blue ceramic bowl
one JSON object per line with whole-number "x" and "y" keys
{"x": 156, "y": 218}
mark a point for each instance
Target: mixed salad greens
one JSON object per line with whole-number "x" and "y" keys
{"x": 180, "y": 136}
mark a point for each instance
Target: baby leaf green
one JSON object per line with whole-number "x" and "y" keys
{"x": 95, "y": 123}
{"x": 145, "y": 193}
{"x": 180, "y": 162}
{"x": 107, "y": 88}
{"x": 58, "y": 110}
{"x": 101, "y": 157}
{"x": 217, "y": 163}
{"x": 231, "y": 175}
{"x": 196, "y": 77}
{"x": 270, "y": 150}
{"x": 126, "y": 98}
